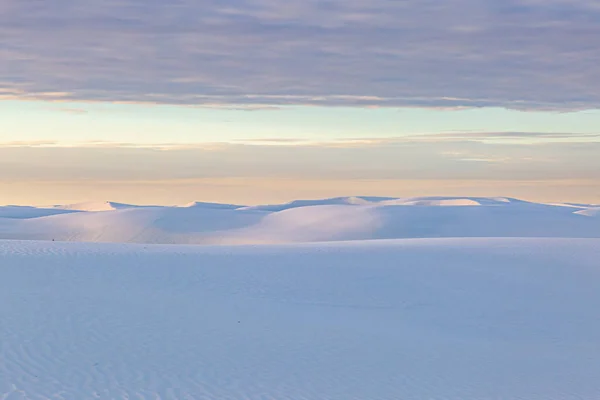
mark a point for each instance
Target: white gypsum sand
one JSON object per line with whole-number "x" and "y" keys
{"x": 346, "y": 218}
{"x": 454, "y": 319}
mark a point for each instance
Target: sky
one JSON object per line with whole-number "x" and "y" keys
{"x": 258, "y": 101}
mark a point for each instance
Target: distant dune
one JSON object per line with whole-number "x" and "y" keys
{"x": 25, "y": 212}
{"x": 95, "y": 206}
{"x": 590, "y": 212}
{"x": 336, "y": 219}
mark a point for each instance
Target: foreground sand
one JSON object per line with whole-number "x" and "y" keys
{"x": 408, "y": 319}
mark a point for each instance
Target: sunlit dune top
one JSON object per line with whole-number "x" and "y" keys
{"x": 200, "y": 204}
{"x": 95, "y": 206}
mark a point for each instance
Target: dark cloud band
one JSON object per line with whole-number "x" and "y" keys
{"x": 522, "y": 54}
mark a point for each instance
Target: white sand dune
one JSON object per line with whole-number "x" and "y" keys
{"x": 134, "y": 225}
{"x": 388, "y": 201}
{"x": 200, "y": 204}
{"x": 96, "y": 206}
{"x": 347, "y": 218}
{"x": 590, "y": 212}
{"x": 354, "y": 200}
{"x": 452, "y": 319}
{"x": 25, "y": 212}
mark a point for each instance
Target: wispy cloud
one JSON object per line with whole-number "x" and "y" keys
{"x": 530, "y": 137}
{"x": 262, "y": 54}
{"x": 75, "y": 111}
{"x": 398, "y": 160}
{"x": 443, "y": 138}
{"x": 30, "y": 143}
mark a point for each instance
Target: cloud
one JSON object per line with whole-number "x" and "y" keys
{"x": 30, "y": 143}
{"x": 256, "y": 54}
{"x": 76, "y": 111}
{"x": 413, "y": 160}
{"x": 529, "y": 137}
{"x": 443, "y": 139}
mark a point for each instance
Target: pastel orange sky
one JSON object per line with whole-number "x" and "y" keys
{"x": 257, "y": 101}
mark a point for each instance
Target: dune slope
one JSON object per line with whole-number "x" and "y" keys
{"x": 339, "y": 219}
